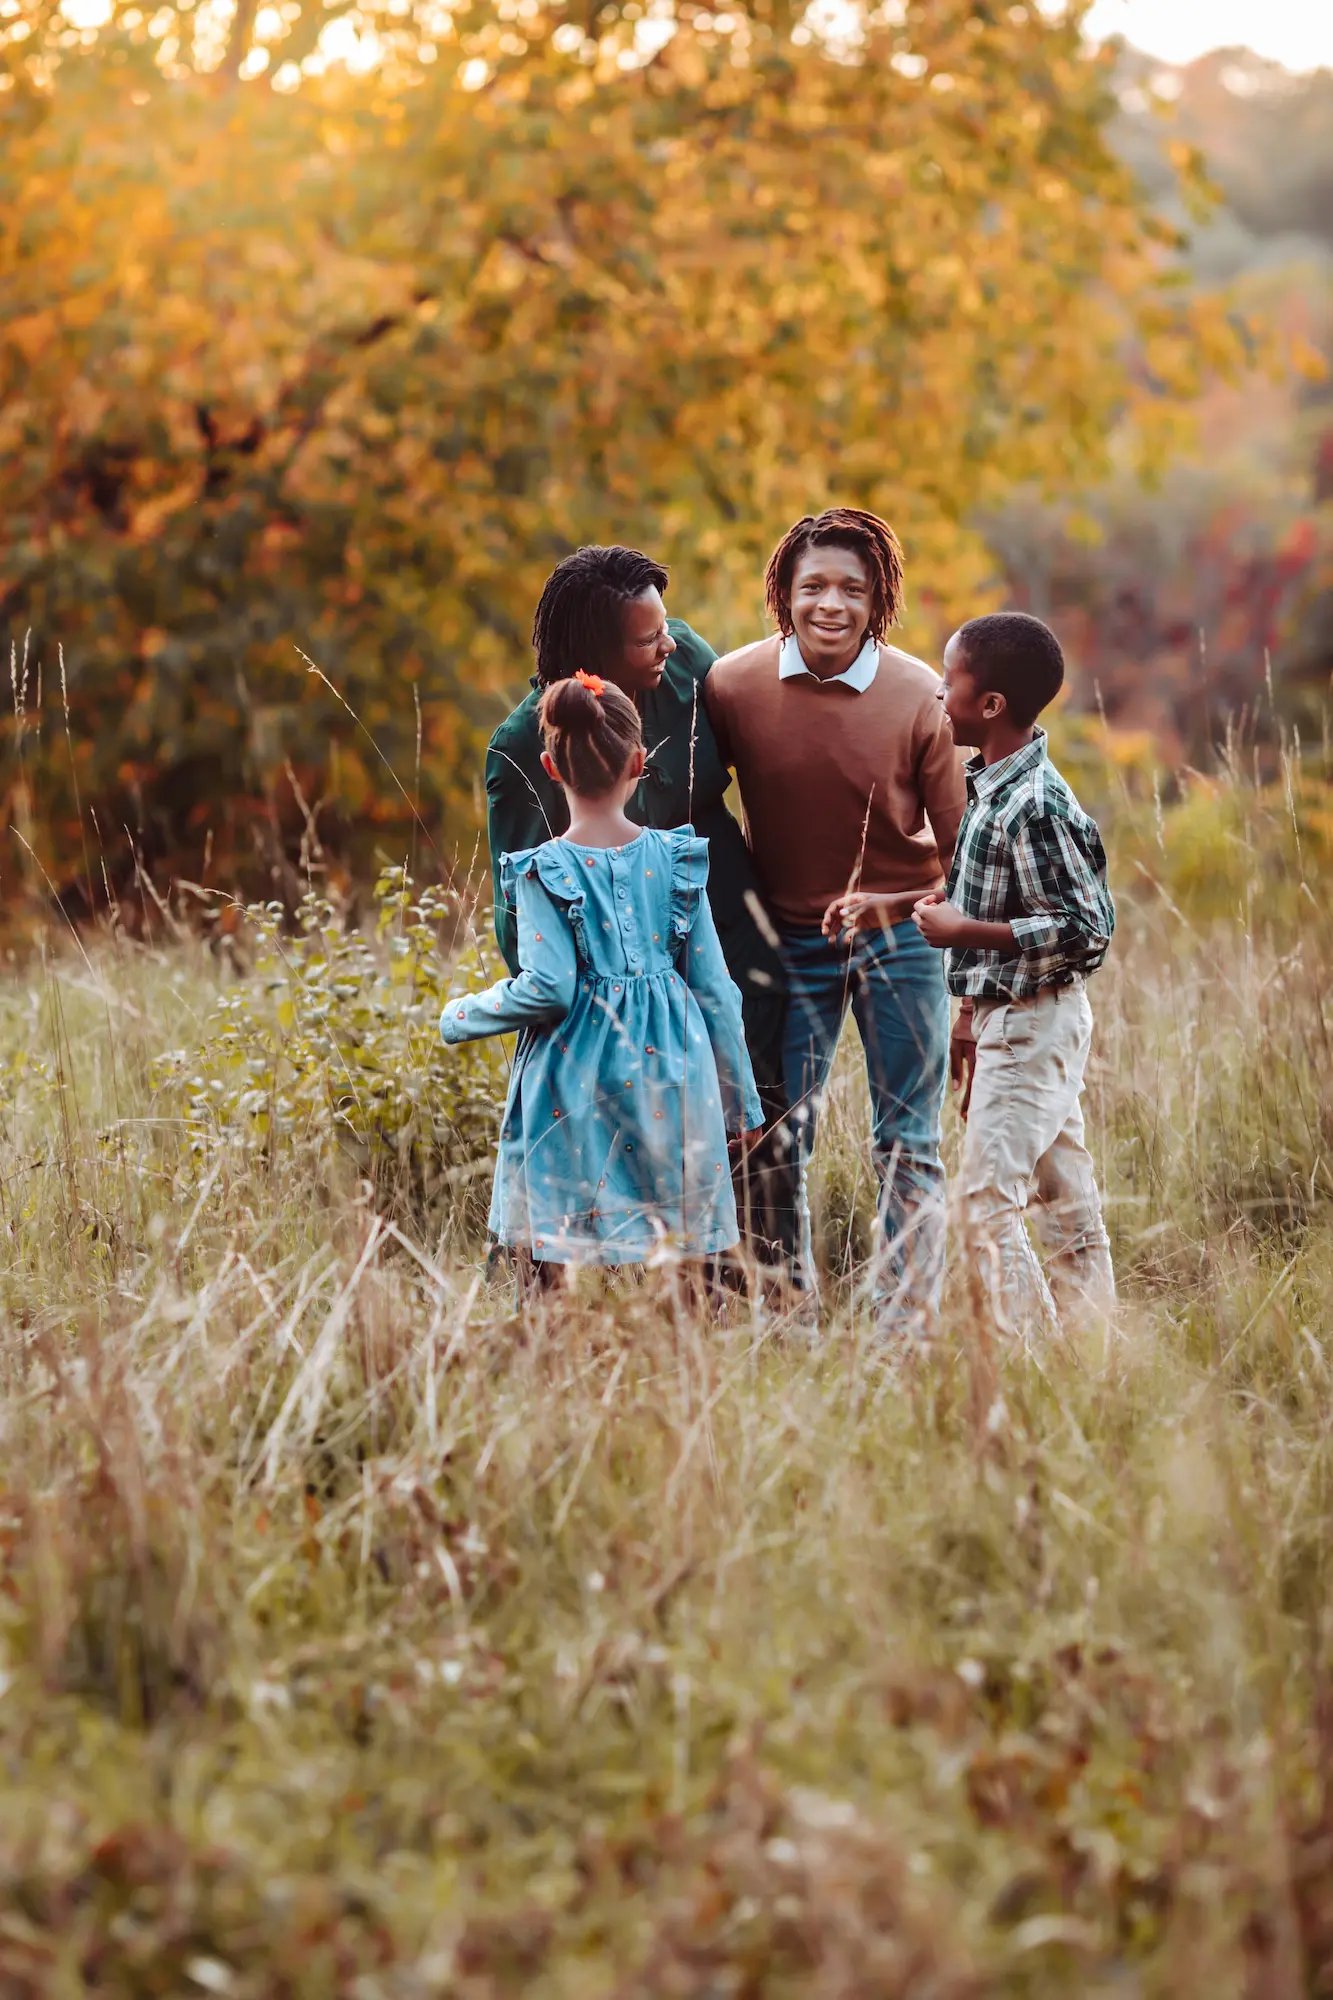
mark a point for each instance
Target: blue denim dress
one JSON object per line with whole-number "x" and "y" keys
{"x": 614, "y": 1140}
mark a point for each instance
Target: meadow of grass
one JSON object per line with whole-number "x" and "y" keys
{"x": 359, "y": 1637}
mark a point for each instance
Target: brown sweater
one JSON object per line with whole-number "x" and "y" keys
{"x": 840, "y": 790}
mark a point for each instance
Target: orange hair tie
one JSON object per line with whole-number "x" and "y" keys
{"x": 593, "y": 682}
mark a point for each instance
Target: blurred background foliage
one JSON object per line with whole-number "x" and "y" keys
{"x": 328, "y": 328}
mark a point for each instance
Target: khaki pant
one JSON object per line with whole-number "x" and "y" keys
{"x": 1025, "y": 1143}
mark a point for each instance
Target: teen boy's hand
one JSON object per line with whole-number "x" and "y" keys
{"x": 861, "y": 910}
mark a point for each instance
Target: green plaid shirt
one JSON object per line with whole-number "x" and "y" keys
{"x": 1029, "y": 856}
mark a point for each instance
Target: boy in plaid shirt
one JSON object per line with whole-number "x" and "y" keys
{"x": 1027, "y": 915}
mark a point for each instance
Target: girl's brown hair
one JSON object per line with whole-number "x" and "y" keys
{"x": 589, "y": 737}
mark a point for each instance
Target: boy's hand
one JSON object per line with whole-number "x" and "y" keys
{"x": 938, "y": 921}
{"x": 963, "y": 1060}
{"x": 745, "y": 1142}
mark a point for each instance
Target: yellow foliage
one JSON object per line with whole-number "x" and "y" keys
{"x": 1226, "y": 847}
{"x": 453, "y": 317}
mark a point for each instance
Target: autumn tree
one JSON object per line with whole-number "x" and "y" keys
{"x": 327, "y": 330}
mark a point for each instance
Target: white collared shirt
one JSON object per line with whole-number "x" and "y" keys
{"x": 858, "y": 676}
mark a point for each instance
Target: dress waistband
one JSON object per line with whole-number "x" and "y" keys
{"x": 616, "y": 980}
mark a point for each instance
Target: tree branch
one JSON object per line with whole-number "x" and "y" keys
{"x": 238, "y": 39}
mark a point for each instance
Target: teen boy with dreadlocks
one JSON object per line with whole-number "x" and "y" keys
{"x": 601, "y": 610}
{"x": 849, "y": 779}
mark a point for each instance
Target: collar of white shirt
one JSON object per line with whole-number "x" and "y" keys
{"x": 858, "y": 676}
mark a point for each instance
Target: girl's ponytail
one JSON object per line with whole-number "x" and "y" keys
{"x": 591, "y": 730}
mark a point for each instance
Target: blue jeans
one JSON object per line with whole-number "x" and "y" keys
{"x": 893, "y": 981}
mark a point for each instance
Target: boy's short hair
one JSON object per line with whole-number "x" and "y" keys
{"x": 1013, "y": 654}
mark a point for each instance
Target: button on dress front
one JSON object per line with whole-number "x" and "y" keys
{"x": 614, "y": 1140}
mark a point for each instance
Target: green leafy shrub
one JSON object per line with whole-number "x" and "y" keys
{"x": 331, "y": 1046}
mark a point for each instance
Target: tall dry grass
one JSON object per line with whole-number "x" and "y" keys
{"x": 359, "y": 1637}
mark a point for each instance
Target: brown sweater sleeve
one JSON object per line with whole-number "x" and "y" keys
{"x": 939, "y": 767}
{"x": 715, "y": 707}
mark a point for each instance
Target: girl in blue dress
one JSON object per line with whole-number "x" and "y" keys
{"x": 634, "y": 1068}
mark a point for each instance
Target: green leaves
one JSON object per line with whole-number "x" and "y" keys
{"x": 331, "y": 1050}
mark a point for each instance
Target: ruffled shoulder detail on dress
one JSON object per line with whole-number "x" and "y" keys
{"x": 689, "y": 878}
{"x": 550, "y": 864}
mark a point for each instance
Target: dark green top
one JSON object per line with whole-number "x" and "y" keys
{"x": 524, "y": 808}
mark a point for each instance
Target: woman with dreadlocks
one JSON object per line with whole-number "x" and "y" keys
{"x": 601, "y": 612}
{"x": 850, "y": 781}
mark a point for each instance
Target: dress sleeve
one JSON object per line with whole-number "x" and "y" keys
{"x": 704, "y": 971}
{"x": 543, "y": 990}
